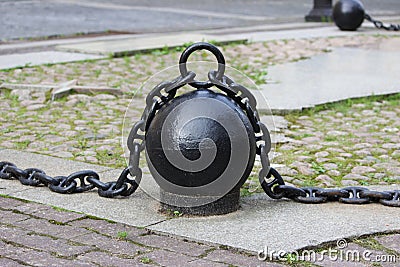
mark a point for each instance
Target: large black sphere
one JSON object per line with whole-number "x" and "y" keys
{"x": 201, "y": 143}
{"x": 348, "y": 14}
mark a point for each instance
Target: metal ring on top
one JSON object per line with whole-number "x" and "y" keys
{"x": 200, "y": 46}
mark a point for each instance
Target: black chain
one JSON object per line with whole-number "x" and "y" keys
{"x": 276, "y": 189}
{"x": 76, "y": 182}
{"x": 380, "y": 25}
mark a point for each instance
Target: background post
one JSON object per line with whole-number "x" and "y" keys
{"x": 321, "y": 11}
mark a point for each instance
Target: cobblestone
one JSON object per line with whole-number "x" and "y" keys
{"x": 105, "y": 259}
{"x": 57, "y": 216}
{"x": 42, "y": 243}
{"x": 44, "y": 227}
{"x": 37, "y": 258}
{"x": 235, "y": 259}
{"x": 107, "y": 228}
{"x": 168, "y": 243}
{"x": 10, "y": 217}
{"x": 114, "y": 245}
{"x": 391, "y": 242}
{"x": 168, "y": 258}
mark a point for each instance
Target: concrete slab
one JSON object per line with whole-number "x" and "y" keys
{"x": 283, "y": 224}
{"x": 51, "y": 165}
{"x": 142, "y": 43}
{"x": 38, "y": 58}
{"x": 338, "y": 75}
{"x": 8, "y": 187}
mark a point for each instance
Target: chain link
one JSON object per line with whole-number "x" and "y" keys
{"x": 277, "y": 189}
{"x": 380, "y": 25}
{"x": 76, "y": 182}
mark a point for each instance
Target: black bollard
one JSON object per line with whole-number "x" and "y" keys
{"x": 194, "y": 129}
{"x": 348, "y": 14}
{"x": 321, "y": 12}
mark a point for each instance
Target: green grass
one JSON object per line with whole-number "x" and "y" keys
{"x": 146, "y": 260}
{"x": 122, "y": 235}
{"x": 22, "y": 145}
{"x": 318, "y": 168}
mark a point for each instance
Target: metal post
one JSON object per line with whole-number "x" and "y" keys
{"x": 321, "y": 12}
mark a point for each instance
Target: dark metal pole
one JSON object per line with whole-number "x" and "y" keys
{"x": 321, "y": 12}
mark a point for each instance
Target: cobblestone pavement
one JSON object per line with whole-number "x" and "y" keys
{"x": 32, "y": 234}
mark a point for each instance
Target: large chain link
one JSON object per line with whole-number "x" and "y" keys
{"x": 380, "y": 25}
{"x": 277, "y": 189}
{"x": 76, "y": 182}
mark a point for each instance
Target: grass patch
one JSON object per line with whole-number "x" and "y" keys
{"x": 22, "y": 145}
{"x": 146, "y": 260}
{"x": 122, "y": 235}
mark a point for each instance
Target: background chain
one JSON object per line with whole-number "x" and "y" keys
{"x": 380, "y": 25}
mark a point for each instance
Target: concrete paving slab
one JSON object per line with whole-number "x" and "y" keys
{"x": 8, "y": 187}
{"x": 338, "y": 75}
{"x": 284, "y": 225}
{"x": 51, "y": 165}
{"x": 142, "y": 43}
{"x": 38, "y": 58}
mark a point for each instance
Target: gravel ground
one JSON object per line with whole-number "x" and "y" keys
{"x": 351, "y": 143}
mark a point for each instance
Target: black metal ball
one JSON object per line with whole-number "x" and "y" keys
{"x": 200, "y": 143}
{"x": 348, "y": 14}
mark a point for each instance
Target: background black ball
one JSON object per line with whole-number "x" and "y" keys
{"x": 348, "y": 14}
